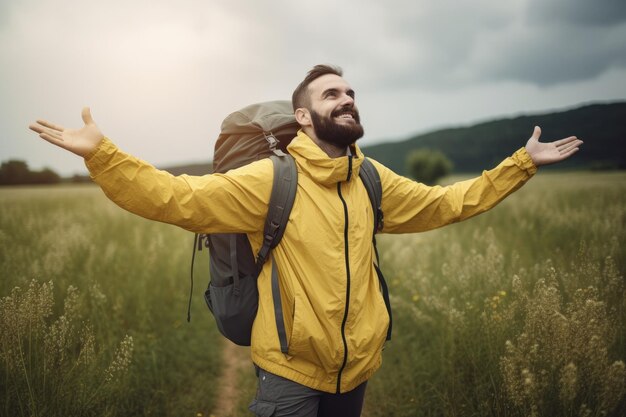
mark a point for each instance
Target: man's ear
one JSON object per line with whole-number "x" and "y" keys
{"x": 303, "y": 117}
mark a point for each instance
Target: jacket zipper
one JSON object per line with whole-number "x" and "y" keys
{"x": 345, "y": 314}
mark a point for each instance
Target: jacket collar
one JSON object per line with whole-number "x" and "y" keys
{"x": 315, "y": 163}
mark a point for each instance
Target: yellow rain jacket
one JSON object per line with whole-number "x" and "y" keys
{"x": 334, "y": 313}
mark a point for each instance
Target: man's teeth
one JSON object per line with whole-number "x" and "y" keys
{"x": 346, "y": 116}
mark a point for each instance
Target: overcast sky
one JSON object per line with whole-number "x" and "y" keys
{"x": 160, "y": 75}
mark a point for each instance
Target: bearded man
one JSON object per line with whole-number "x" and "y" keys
{"x": 334, "y": 313}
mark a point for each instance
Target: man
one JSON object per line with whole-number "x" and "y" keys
{"x": 334, "y": 312}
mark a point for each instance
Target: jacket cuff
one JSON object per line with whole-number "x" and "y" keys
{"x": 524, "y": 162}
{"x": 96, "y": 160}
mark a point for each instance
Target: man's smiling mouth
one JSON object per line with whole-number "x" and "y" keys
{"x": 345, "y": 114}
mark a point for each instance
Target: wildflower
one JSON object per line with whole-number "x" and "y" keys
{"x": 122, "y": 359}
{"x": 614, "y": 386}
{"x": 569, "y": 383}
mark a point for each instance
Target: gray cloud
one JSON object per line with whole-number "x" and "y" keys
{"x": 549, "y": 55}
{"x": 577, "y": 12}
{"x": 542, "y": 43}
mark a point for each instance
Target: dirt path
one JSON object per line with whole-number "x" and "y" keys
{"x": 235, "y": 357}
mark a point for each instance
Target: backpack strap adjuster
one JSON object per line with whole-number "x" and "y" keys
{"x": 268, "y": 244}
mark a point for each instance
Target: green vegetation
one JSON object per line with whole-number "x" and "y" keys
{"x": 15, "y": 172}
{"x": 478, "y": 147}
{"x": 427, "y": 166}
{"x": 101, "y": 331}
{"x": 518, "y": 312}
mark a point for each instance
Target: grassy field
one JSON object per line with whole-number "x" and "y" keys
{"x": 518, "y": 312}
{"x": 93, "y": 315}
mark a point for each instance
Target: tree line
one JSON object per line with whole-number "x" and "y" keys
{"x": 483, "y": 145}
{"x": 424, "y": 165}
{"x": 15, "y": 172}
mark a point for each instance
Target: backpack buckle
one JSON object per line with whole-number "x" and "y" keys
{"x": 268, "y": 243}
{"x": 271, "y": 139}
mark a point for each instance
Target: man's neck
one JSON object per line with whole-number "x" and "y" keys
{"x": 331, "y": 150}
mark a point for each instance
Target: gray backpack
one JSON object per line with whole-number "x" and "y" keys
{"x": 255, "y": 132}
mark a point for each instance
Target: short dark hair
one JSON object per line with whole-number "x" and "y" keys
{"x": 300, "y": 97}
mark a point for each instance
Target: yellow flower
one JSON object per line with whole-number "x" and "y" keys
{"x": 415, "y": 297}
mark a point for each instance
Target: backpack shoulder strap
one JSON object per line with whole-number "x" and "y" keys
{"x": 281, "y": 202}
{"x": 371, "y": 180}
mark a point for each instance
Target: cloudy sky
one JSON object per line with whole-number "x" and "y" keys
{"x": 160, "y": 75}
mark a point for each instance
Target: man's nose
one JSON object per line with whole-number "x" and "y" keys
{"x": 347, "y": 100}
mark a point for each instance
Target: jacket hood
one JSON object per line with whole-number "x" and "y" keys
{"x": 315, "y": 163}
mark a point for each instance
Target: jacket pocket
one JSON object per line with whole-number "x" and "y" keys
{"x": 296, "y": 331}
{"x": 311, "y": 340}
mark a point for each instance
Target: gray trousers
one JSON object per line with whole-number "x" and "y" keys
{"x": 280, "y": 397}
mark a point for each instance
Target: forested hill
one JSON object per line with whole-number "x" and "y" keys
{"x": 482, "y": 146}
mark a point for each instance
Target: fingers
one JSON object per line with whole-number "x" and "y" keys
{"x": 43, "y": 127}
{"x": 54, "y": 139}
{"x": 48, "y": 131}
{"x": 46, "y": 124}
{"x": 86, "y": 115}
{"x": 572, "y": 151}
{"x": 569, "y": 147}
{"x": 567, "y": 140}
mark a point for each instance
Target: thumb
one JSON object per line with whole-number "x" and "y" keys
{"x": 86, "y": 114}
{"x": 536, "y": 134}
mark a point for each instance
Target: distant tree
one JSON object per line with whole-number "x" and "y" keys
{"x": 78, "y": 179}
{"x": 427, "y": 166}
{"x": 606, "y": 165}
{"x": 16, "y": 172}
{"x": 45, "y": 176}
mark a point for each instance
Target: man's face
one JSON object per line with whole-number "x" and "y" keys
{"x": 334, "y": 116}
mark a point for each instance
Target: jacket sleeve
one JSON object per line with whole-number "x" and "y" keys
{"x": 216, "y": 203}
{"x": 410, "y": 206}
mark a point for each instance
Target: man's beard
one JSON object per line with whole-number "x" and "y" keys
{"x": 340, "y": 135}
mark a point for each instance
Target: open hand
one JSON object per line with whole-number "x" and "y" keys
{"x": 551, "y": 152}
{"x": 79, "y": 141}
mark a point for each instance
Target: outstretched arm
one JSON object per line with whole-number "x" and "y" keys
{"x": 413, "y": 207}
{"x": 233, "y": 202}
{"x": 79, "y": 141}
{"x": 549, "y": 153}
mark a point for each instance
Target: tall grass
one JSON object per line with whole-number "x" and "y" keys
{"x": 93, "y": 311}
{"x": 518, "y": 312}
